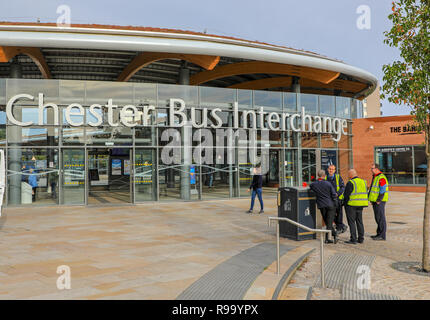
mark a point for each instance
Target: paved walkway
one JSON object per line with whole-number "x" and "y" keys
{"x": 157, "y": 251}
{"x": 404, "y": 243}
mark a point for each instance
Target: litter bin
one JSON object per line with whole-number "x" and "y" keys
{"x": 297, "y": 204}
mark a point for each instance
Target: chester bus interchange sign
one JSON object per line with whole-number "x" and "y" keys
{"x": 130, "y": 116}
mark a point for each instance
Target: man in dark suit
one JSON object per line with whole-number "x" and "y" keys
{"x": 326, "y": 202}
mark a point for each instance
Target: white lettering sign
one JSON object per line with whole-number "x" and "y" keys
{"x": 131, "y": 116}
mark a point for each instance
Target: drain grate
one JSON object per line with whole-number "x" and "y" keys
{"x": 343, "y": 272}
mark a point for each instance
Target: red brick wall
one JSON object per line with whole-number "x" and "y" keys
{"x": 365, "y": 139}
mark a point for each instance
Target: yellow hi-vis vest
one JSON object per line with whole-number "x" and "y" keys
{"x": 358, "y": 197}
{"x": 337, "y": 184}
{"x": 374, "y": 189}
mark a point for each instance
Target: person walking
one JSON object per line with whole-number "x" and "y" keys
{"x": 378, "y": 197}
{"x": 32, "y": 181}
{"x": 336, "y": 180}
{"x": 326, "y": 203}
{"x": 355, "y": 198}
{"x": 257, "y": 189}
{"x": 52, "y": 178}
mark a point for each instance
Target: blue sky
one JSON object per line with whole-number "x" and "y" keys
{"x": 325, "y": 27}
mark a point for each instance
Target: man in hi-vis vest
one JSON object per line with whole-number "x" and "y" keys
{"x": 355, "y": 198}
{"x": 378, "y": 197}
{"x": 337, "y": 182}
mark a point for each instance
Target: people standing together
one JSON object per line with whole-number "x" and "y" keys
{"x": 332, "y": 195}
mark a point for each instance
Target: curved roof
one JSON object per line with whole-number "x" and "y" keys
{"x": 118, "y": 53}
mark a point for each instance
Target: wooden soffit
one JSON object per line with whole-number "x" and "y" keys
{"x": 338, "y": 84}
{"x": 7, "y": 53}
{"x": 266, "y": 83}
{"x": 146, "y": 58}
{"x": 251, "y": 67}
{"x": 275, "y": 82}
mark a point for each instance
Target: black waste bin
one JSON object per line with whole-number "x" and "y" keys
{"x": 297, "y": 204}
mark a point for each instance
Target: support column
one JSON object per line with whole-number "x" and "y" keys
{"x": 296, "y": 85}
{"x": 154, "y": 160}
{"x": 186, "y": 133}
{"x": 14, "y": 135}
{"x": 230, "y": 165}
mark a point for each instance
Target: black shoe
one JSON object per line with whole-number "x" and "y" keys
{"x": 328, "y": 241}
{"x": 350, "y": 242}
{"x": 378, "y": 238}
{"x": 360, "y": 241}
{"x": 249, "y": 211}
{"x": 375, "y": 236}
{"x": 261, "y": 211}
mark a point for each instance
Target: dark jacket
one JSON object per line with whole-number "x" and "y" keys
{"x": 348, "y": 190}
{"x": 325, "y": 192}
{"x": 257, "y": 182}
{"x": 332, "y": 180}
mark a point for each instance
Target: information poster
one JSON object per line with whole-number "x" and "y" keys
{"x": 116, "y": 167}
{"x": 328, "y": 157}
{"x": 126, "y": 167}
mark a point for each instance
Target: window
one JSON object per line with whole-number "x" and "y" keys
{"x": 402, "y": 164}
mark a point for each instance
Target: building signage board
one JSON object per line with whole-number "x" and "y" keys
{"x": 393, "y": 149}
{"x": 131, "y": 116}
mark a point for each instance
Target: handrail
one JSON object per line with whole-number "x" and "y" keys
{"x": 303, "y": 227}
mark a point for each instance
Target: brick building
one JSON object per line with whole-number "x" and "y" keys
{"x": 394, "y": 143}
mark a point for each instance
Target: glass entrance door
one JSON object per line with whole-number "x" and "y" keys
{"x": 109, "y": 175}
{"x": 73, "y": 181}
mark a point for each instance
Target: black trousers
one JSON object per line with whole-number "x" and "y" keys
{"x": 338, "y": 219}
{"x": 33, "y": 197}
{"x": 328, "y": 214}
{"x": 354, "y": 215}
{"x": 379, "y": 212}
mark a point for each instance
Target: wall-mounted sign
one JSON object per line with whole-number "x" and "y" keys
{"x": 130, "y": 116}
{"x": 393, "y": 149}
{"x": 407, "y": 129}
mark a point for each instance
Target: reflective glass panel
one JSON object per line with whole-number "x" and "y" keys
{"x": 343, "y": 106}
{"x": 73, "y": 176}
{"x": 308, "y": 165}
{"x": 33, "y": 176}
{"x": 291, "y": 168}
{"x": 290, "y": 101}
{"x": 327, "y": 105}
{"x": 396, "y": 163}
{"x": 145, "y": 174}
{"x": 310, "y": 102}
{"x": 420, "y": 165}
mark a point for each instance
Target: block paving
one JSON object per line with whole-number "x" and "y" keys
{"x": 157, "y": 250}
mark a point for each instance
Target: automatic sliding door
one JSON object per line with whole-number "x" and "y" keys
{"x": 73, "y": 176}
{"x": 145, "y": 175}
{"x": 109, "y": 172}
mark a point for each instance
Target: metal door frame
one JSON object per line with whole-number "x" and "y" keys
{"x": 131, "y": 176}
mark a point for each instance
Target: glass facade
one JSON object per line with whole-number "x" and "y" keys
{"x": 83, "y": 154}
{"x": 403, "y": 165}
